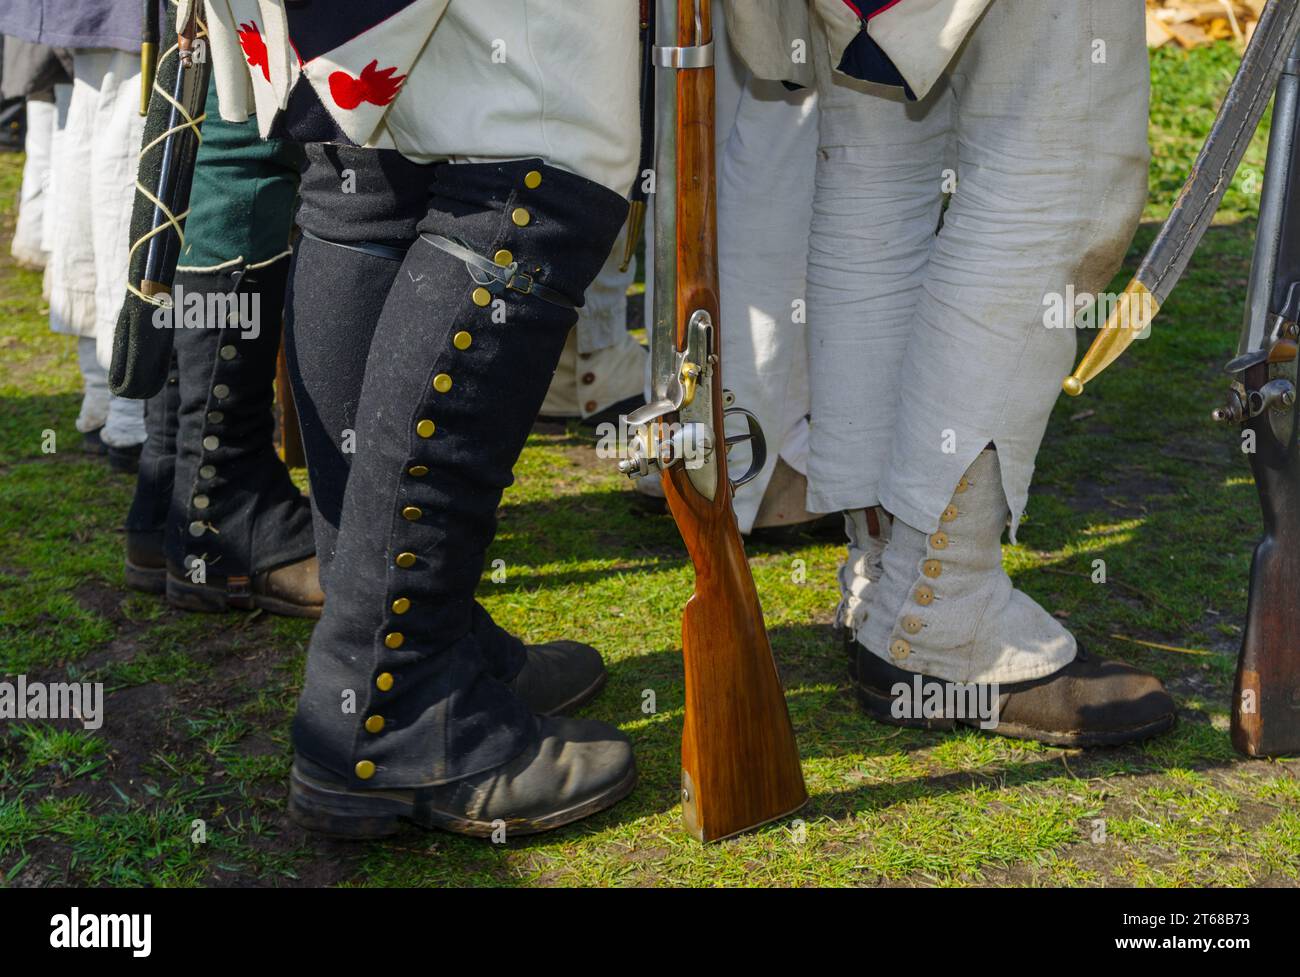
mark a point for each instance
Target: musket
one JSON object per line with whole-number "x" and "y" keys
{"x": 169, "y": 150}
{"x": 740, "y": 762}
{"x": 1166, "y": 260}
{"x": 1262, "y": 398}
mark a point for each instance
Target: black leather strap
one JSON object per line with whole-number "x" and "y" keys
{"x": 365, "y": 247}
{"x": 497, "y": 278}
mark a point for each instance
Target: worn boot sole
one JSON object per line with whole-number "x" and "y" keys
{"x": 213, "y": 600}
{"x": 1107, "y": 737}
{"x": 342, "y": 813}
{"x": 151, "y": 580}
{"x": 878, "y": 707}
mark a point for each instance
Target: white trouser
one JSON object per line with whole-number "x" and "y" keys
{"x": 94, "y": 379}
{"x": 121, "y": 420}
{"x": 765, "y": 191}
{"x": 766, "y": 146}
{"x": 58, "y": 136}
{"x": 602, "y": 321}
{"x": 26, "y": 246}
{"x": 92, "y": 174}
{"x": 93, "y": 188}
{"x": 484, "y": 80}
{"x": 602, "y": 363}
{"x": 925, "y": 347}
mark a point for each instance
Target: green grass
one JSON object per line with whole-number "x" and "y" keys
{"x": 185, "y": 782}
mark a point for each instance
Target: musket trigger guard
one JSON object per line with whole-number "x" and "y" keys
{"x": 757, "y": 445}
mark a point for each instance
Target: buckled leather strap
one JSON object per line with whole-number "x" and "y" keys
{"x": 497, "y": 278}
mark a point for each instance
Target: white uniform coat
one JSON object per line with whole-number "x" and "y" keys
{"x": 466, "y": 80}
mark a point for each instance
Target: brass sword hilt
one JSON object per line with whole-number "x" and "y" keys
{"x": 1129, "y": 319}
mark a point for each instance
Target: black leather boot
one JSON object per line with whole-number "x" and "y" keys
{"x": 344, "y": 267}
{"x": 407, "y": 710}
{"x": 146, "y": 561}
{"x": 239, "y": 533}
{"x": 571, "y": 769}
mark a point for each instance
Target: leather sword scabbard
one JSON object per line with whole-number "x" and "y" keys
{"x": 142, "y": 340}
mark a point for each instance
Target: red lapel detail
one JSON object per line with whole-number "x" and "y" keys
{"x": 250, "y": 39}
{"x": 374, "y": 86}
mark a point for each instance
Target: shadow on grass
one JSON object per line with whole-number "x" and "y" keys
{"x": 1133, "y": 474}
{"x": 829, "y": 730}
{"x": 24, "y": 421}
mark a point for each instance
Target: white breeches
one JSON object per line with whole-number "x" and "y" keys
{"x": 92, "y": 187}
{"x": 765, "y": 189}
{"x": 34, "y": 196}
{"x": 94, "y": 150}
{"x": 926, "y": 347}
{"x": 766, "y": 148}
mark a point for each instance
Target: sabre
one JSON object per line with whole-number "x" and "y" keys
{"x": 1193, "y": 212}
{"x": 169, "y": 149}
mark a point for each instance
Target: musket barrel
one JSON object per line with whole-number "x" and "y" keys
{"x": 1272, "y": 268}
{"x": 663, "y": 337}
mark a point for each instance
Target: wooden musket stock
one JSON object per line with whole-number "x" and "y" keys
{"x": 740, "y": 762}
{"x": 1266, "y": 699}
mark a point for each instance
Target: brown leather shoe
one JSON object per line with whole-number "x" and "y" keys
{"x": 146, "y": 566}
{"x": 1089, "y": 702}
{"x": 292, "y": 590}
